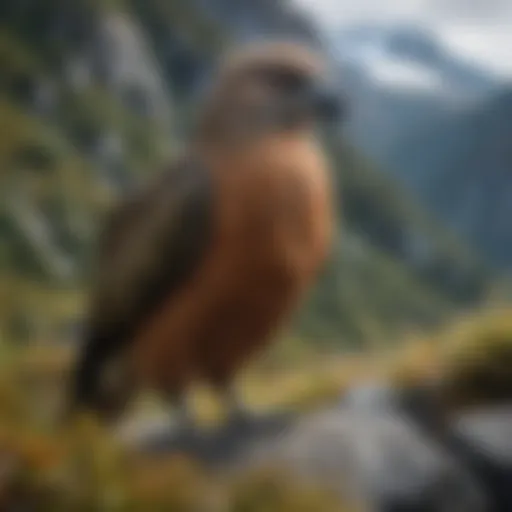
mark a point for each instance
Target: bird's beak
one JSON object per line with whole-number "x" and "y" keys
{"x": 327, "y": 102}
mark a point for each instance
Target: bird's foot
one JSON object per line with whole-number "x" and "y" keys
{"x": 244, "y": 421}
{"x": 241, "y": 418}
{"x": 187, "y": 438}
{"x": 185, "y": 434}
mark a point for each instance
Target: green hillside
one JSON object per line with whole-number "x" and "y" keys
{"x": 471, "y": 185}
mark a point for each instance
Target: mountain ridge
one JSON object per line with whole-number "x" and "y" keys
{"x": 92, "y": 122}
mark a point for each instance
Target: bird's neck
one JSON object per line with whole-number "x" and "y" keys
{"x": 234, "y": 146}
{"x": 280, "y": 153}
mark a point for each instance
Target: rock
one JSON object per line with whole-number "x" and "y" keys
{"x": 376, "y": 458}
{"x": 372, "y": 396}
{"x": 379, "y": 460}
{"x": 124, "y": 58}
{"x": 222, "y": 447}
{"x": 419, "y": 404}
{"x": 483, "y": 440}
{"x": 480, "y": 440}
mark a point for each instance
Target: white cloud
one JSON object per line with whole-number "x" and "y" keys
{"x": 335, "y": 12}
{"x": 404, "y": 75}
{"x": 477, "y": 30}
{"x": 490, "y": 47}
{"x": 472, "y": 11}
{"x": 393, "y": 72}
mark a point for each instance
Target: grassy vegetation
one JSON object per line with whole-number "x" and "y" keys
{"x": 470, "y": 360}
{"x": 83, "y": 466}
{"x": 370, "y": 297}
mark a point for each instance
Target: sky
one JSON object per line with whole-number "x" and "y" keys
{"x": 477, "y": 30}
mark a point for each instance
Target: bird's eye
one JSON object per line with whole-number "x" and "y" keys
{"x": 286, "y": 79}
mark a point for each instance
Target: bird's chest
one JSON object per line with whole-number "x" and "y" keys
{"x": 278, "y": 223}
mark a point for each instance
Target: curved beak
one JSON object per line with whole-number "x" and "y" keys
{"x": 327, "y": 102}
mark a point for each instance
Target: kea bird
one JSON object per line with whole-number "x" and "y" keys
{"x": 198, "y": 269}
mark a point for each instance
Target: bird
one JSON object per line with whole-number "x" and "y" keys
{"x": 199, "y": 269}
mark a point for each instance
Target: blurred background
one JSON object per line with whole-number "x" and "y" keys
{"x": 95, "y": 95}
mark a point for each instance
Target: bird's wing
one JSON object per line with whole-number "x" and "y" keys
{"x": 151, "y": 247}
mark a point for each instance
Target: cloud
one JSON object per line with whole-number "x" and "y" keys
{"x": 490, "y": 48}
{"x": 477, "y": 30}
{"x": 481, "y": 11}
{"x": 349, "y": 11}
{"x": 396, "y": 73}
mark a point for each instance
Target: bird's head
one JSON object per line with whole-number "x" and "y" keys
{"x": 269, "y": 87}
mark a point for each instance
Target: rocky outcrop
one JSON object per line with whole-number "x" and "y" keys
{"x": 378, "y": 460}
{"x": 388, "y": 450}
{"x": 483, "y": 440}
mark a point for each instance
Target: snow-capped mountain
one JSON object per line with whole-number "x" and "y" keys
{"x": 408, "y": 57}
{"x": 401, "y": 78}
{"x": 440, "y": 124}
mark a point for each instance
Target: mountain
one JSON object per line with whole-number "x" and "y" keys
{"x": 400, "y": 79}
{"x": 95, "y": 95}
{"x": 439, "y": 125}
{"x": 462, "y": 169}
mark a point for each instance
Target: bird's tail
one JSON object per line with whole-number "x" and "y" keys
{"x": 89, "y": 390}
{"x": 83, "y": 388}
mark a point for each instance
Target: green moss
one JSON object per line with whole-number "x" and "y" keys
{"x": 477, "y": 361}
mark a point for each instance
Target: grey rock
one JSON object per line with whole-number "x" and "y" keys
{"x": 377, "y": 459}
{"x": 483, "y": 440}
{"x": 371, "y": 396}
{"x": 420, "y": 404}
